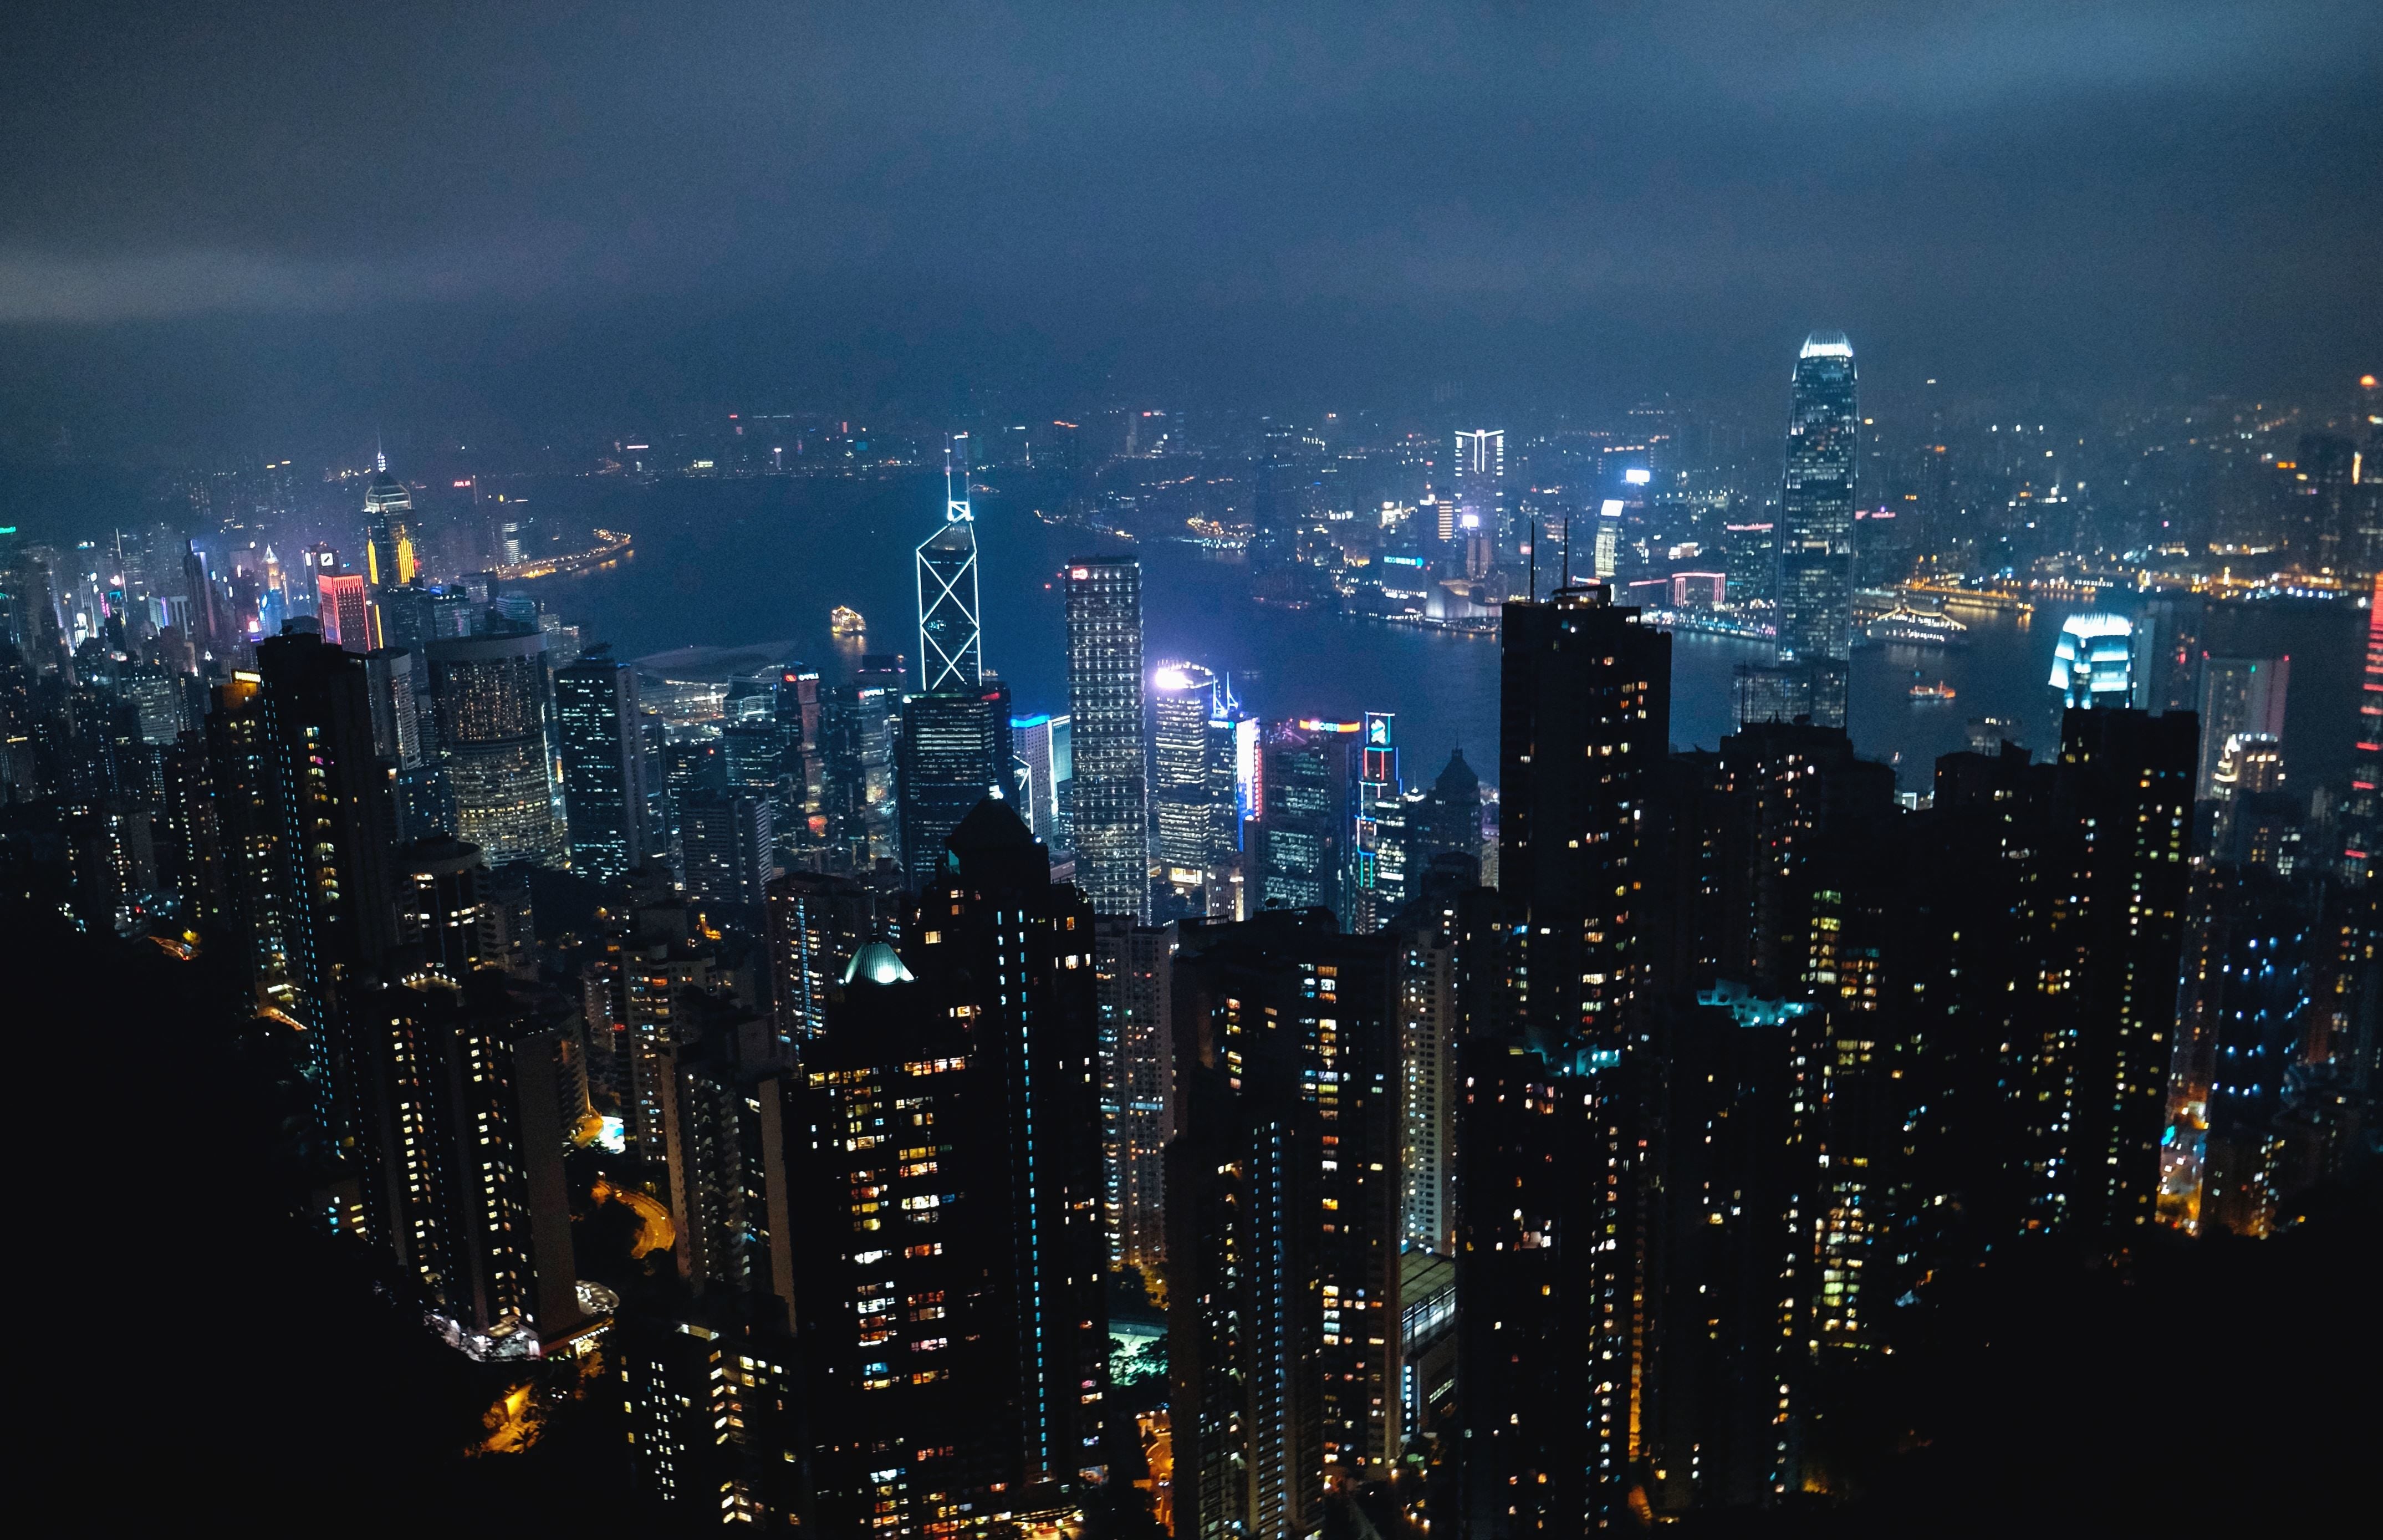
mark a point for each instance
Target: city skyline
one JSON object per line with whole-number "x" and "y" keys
{"x": 1424, "y": 772}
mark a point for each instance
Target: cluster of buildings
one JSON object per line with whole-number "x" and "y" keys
{"x": 1552, "y": 1179}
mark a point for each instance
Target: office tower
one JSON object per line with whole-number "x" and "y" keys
{"x": 1275, "y": 507}
{"x": 955, "y": 1324}
{"x": 1585, "y": 727}
{"x": 2108, "y": 920}
{"x": 1193, "y": 827}
{"x": 2239, "y": 697}
{"x": 951, "y": 644}
{"x": 1482, "y": 512}
{"x": 1770, "y": 692}
{"x": 1447, "y": 820}
{"x": 1379, "y": 864}
{"x": 397, "y": 717}
{"x": 728, "y": 851}
{"x": 1132, "y": 972}
{"x": 1111, "y": 813}
{"x": 2093, "y": 663}
{"x": 603, "y": 765}
{"x": 1816, "y": 522}
{"x": 1751, "y": 561}
{"x": 1042, "y": 741}
{"x": 799, "y": 708}
{"x": 479, "y": 1104}
{"x": 954, "y": 752}
{"x": 2166, "y": 663}
{"x": 346, "y": 610}
{"x": 1606, "y": 551}
{"x": 819, "y": 922}
{"x": 443, "y": 908}
{"x": 1287, "y": 1032}
{"x": 490, "y": 697}
{"x": 1309, "y": 786}
{"x": 389, "y": 560}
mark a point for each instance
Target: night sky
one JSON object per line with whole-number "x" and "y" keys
{"x": 262, "y": 219}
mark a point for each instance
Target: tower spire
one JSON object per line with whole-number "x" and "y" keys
{"x": 380, "y": 459}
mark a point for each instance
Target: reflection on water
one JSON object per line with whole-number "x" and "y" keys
{"x": 730, "y": 563}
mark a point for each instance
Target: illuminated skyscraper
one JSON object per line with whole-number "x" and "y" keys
{"x": 951, "y": 644}
{"x": 2092, "y": 664}
{"x": 2239, "y": 697}
{"x": 1191, "y": 805}
{"x": 1042, "y": 741}
{"x": 1816, "y": 522}
{"x": 1378, "y": 878}
{"x": 1481, "y": 503}
{"x": 345, "y": 607}
{"x": 1585, "y": 727}
{"x": 603, "y": 766}
{"x": 1111, "y": 816}
{"x": 491, "y": 697}
{"x": 388, "y": 518}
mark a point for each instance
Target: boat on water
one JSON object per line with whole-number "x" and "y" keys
{"x": 843, "y": 620}
{"x": 1904, "y": 627}
{"x": 1931, "y": 695}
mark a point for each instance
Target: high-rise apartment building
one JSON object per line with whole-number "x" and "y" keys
{"x": 1111, "y": 813}
{"x": 1287, "y": 1031}
{"x": 1132, "y": 969}
{"x": 603, "y": 765}
{"x": 1815, "y": 535}
{"x": 956, "y": 1320}
{"x": 728, "y": 851}
{"x": 1584, "y": 724}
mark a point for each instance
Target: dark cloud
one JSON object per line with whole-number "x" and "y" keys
{"x": 1390, "y": 189}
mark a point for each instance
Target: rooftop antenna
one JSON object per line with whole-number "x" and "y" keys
{"x": 380, "y": 459}
{"x": 956, "y": 505}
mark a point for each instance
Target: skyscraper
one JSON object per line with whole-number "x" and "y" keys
{"x": 389, "y": 517}
{"x": 1585, "y": 725}
{"x": 1191, "y": 805}
{"x": 1112, "y": 812}
{"x": 954, "y": 751}
{"x": 951, "y": 644}
{"x": 1041, "y": 743}
{"x": 490, "y": 695}
{"x": 1308, "y": 782}
{"x": 1816, "y": 522}
{"x": 1483, "y": 516}
{"x": 2093, "y": 663}
{"x": 603, "y": 765}
{"x": 956, "y": 1326}
{"x": 1380, "y": 859}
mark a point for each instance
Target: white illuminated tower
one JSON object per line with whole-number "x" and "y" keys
{"x": 951, "y": 645}
{"x": 1481, "y": 483}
